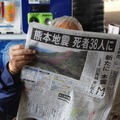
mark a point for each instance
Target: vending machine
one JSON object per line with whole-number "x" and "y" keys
{"x": 15, "y": 16}
{"x": 43, "y": 11}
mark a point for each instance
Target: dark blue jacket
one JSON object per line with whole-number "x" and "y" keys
{"x": 10, "y": 90}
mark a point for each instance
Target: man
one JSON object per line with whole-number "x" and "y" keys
{"x": 10, "y": 85}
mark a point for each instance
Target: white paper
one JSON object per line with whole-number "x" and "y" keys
{"x": 74, "y": 77}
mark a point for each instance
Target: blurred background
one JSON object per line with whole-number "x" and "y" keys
{"x": 112, "y": 12}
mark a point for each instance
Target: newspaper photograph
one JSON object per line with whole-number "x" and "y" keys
{"x": 75, "y": 75}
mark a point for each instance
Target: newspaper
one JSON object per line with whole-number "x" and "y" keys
{"x": 74, "y": 76}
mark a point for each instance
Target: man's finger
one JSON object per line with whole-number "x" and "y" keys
{"x": 16, "y": 47}
{"x": 22, "y": 52}
{"x": 22, "y": 57}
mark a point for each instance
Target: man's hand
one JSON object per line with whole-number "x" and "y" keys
{"x": 19, "y": 56}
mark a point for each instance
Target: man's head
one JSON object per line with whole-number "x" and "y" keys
{"x": 67, "y": 22}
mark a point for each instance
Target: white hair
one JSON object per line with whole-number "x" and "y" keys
{"x": 68, "y": 19}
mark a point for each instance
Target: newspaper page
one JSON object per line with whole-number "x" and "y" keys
{"x": 74, "y": 76}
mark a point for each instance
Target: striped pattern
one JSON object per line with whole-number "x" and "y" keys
{"x": 90, "y": 13}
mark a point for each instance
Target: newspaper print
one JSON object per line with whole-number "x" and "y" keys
{"x": 74, "y": 77}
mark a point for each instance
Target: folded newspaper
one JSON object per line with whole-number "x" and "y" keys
{"x": 75, "y": 75}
